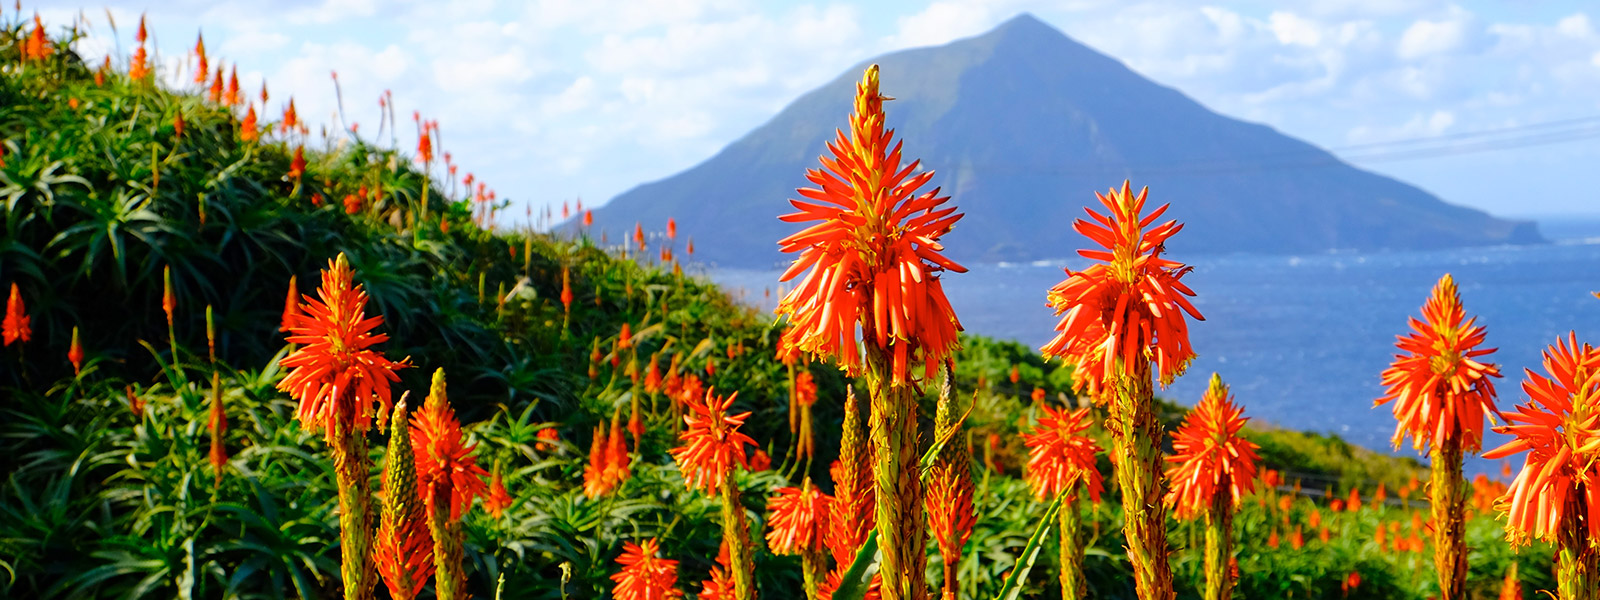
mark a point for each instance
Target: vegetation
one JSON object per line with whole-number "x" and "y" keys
{"x": 110, "y": 180}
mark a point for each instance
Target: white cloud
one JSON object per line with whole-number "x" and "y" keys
{"x": 1294, "y": 30}
{"x": 1575, "y": 26}
{"x": 942, "y": 22}
{"x": 1424, "y": 38}
{"x": 1418, "y": 126}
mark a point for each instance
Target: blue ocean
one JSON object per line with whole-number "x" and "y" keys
{"x": 1302, "y": 339}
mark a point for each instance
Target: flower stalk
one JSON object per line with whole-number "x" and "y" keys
{"x": 1122, "y": 324}
{"x": 712, "y": 449}
{"x": 897, "y": 484}
{"x": 1441, "y": 393}
{"x": 341, "y": 383}
{"x": 1074, "y": 585}
{"x": 449, "y": 479}
{"x": 404, "y": 543}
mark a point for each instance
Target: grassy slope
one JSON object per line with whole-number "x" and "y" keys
{"x": 102, "y": 503}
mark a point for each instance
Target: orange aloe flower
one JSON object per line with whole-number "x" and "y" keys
{"x": 202, "y": 67}
{"x": 547, "y": 439}
{"x": 638, "y": 235}
{"x": 566, "y": 290}
{"x": 38, "y": 46}
{"x": 138, "y": 67}
{"x": 215, "y": 93}
{"x": 720, "y": 585}
{"x": 672, "y": 228}
{"x": 15, "y": 326}
{"x": 135, "y": 403}
{"x": 177, "y": 125}
{"x": 219, "y": 428}
{"x": 1510, "y": 588}
{"x": 335, "y": 374}
{"x": 291, "y": 304}
{"x": 404, "y": 543}
{"x": 712, "y": 444}
{"x": 873, "y": 254}
{"x": 169, "y": 299}
{"x": 1439, "y": 386}
{"x": 689, "y": 248}
{"x": 805, "y": 388}
{"x": 1210, "y": 455}
{"x": 75, "y": 353}
{"x": 617, "y": 461}
{"x": 230, "y": 96}
{"x": 425, "y": 146}
{"x": 1560, "y": 430}
{"x": 291, "y": 118}
{"x": 798, "y": 519}
{"x": 1130, "y": 304}
{"x": 1354, "y": 503}
{"x": 1059, "y": 457}
{"x": 950, "y": 513}
{"x": 443, "y": 462}
{"x": 297, "y": 167}
{"x": 644, "y": 574}
{"x": 588, "y": 218}
{"x": 498, "y": 498}
{"x": 595, "y": 482}
{"x": 652, "y": 375}
{"x": 247, "y": 127}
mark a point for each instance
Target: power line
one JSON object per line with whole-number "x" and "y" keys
{"x": 1489, "y": 140}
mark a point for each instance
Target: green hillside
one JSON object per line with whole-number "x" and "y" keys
{"x": 108, "y": 491}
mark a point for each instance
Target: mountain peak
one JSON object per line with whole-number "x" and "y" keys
{"x": 1024, "y": 23}
{"x": 1022, "y": 124}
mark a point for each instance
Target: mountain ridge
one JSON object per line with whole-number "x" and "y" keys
{"x": 1021, "y": 124}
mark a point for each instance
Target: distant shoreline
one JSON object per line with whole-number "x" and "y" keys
{"x": 1565, "y": 227}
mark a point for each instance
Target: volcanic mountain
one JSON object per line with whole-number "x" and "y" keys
{"x": 1021, "y": 125}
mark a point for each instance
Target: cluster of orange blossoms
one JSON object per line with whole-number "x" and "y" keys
{"x": 335, "y": 374}
{"x": 874, "y": 253}
{"x": 1210, "y": 454}
{"x": 608, "y": 460}
{"x": 1439, "y": 387}
{"x": 645, "y": 575}
{"x": 1128, "y": 305}
{"x": 445, "y": 466}
{"x": 139, "y": 68}
{"x": 15, "y": 327}
{"x": 38, "y": 46}
{"x": 1059, "y": 456}
{"x": 498, "y": 499}
{"x": 798, "y": 519}
{"x": 720, "y": 585}
{"x": 1560, "y": 430}
{"x": 712, "y": 443}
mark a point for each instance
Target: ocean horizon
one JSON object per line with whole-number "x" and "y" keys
{"x": 1302, "y": 339}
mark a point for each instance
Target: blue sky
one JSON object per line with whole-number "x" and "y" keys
{"x": 553, "y": 100}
